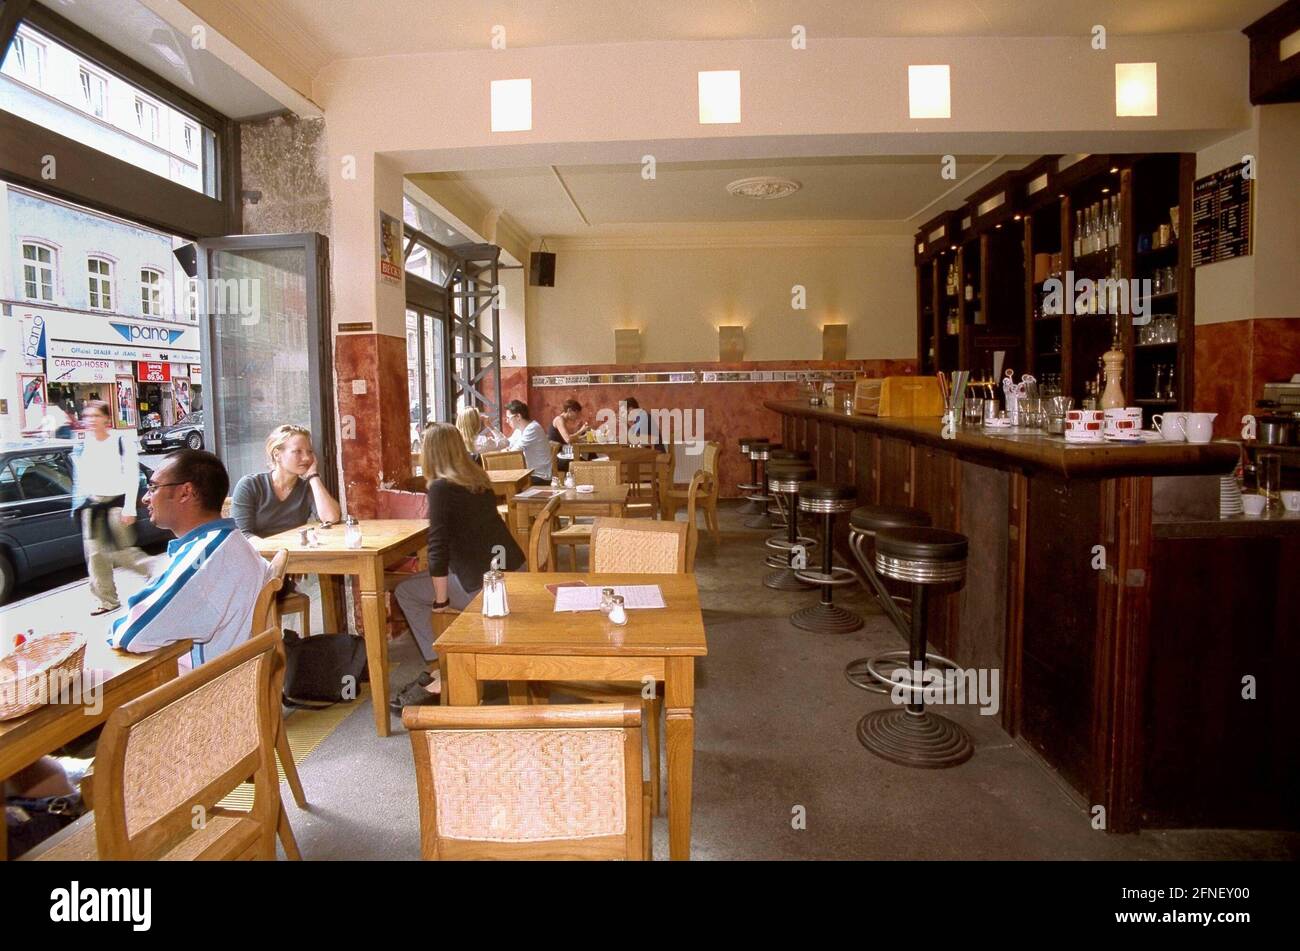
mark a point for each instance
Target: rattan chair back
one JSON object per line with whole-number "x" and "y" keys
{"x": 638, "y": 546}
{"x": 504, "y": 459}
{"x": 603, "y": 474}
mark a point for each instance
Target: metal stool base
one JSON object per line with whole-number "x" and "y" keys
{"x": 865, "y": 673}
{"x": 783, "y": 579}
{"x": 922, "y": 741}
{"x": 826, "y": 619}
{"x": 782, "y": 543}
{"x": 839, "y": 576}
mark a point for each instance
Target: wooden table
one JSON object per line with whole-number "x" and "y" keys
{"x": 611, "y": 501}
{"x": 535, "y": 643}
{"x": 506, "y": 482}
{"x": 384, "y": 542}
{"x": 120, "y": 678}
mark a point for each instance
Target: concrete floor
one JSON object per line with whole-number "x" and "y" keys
{"x": 775, "y": 731}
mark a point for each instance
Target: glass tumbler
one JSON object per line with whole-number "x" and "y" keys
{"x": 973, "y": 411}
{"x": 1269, "y": 468}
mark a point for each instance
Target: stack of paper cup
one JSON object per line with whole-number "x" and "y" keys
{"x": 1229, "y": 497}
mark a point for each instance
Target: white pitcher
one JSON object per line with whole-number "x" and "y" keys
{"x": 1199, "y": 426}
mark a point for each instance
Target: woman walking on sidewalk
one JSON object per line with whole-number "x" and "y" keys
{"x": 106, "y": 470}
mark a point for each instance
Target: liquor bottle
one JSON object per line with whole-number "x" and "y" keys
{"x": 1078, "y": 233}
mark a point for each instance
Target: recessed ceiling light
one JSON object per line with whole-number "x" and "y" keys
{"x": 719, "y": 92}
{"x": 928, "y": 92}
{"x": 1105, "y": 191}
{"x": 1135, "y": 89}
{"x": 512, "y": 105}
{"x": 1114, "y": 170}
{"x": 763, "y": 187}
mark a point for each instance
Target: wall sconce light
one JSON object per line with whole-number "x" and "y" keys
{"x": 1135, "y": 89}
{"x": 731, "y": 344}
{"x": 512, "y": 105}
{"x": 719, "y": 91}
{"x": 835, "y": 341}
{"x": 929, "y": 94}
{"x": 627, "y": 347}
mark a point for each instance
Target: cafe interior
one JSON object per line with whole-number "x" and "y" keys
{"x": 934, "y": 478}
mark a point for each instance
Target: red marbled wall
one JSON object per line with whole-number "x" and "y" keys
{"x": 731, "y": 410}
{"x": 377, "y": 421}
{"x": 1235, "y": 359}
{"x": 514, "y": 384}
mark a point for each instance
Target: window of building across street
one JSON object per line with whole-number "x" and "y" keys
{"x": 146, "y": 119}
{"x": 26, "y": 61}
{"x": 38, "y": 272}
{"x": 150, "y": 292}
{"x": 100, "y": 276}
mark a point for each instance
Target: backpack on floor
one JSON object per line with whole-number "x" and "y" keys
{"x": 323, "y": 670}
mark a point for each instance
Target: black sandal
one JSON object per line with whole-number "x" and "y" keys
{"x": 414, "y": 694}
{"x": 103, "y": 610}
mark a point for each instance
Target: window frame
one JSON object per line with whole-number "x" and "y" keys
{"x": 145, "y": 107}
{"x": 146, "y": 288}
{"x": 100, "y": 283}
{"x": 88, "y": 77}
{"x": 52, "y": 265}
{"x": 23, "y": 43}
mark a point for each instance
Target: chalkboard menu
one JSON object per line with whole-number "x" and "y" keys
{"x": 1221, "y": 216}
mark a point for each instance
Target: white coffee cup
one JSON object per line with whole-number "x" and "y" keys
{"x": 1291, "y": 500}
{"x": 1199, "y": 426}
{"x": 1253, "y": 504}
{"x": 1170, "y": 426}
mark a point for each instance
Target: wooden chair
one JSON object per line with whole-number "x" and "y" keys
{"x": 167, "y": 758}
{"x": 603, "y": 474}
{"x": 631, "y": 546}
{"x": 673, "y": 497}
{"x": 555, "y": 456}
{"x": 503, "y": 459}
{"x": 543, "y": 782}
{"x": 541, "y": 553}
{"x": 294, "y": 602}
{"x": 698, "y": 489}
{"x": 266, "y": 615}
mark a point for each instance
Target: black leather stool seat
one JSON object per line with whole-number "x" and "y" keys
{"x": 874, "y": 518}
{"x": 754, "y": 441}
{"x": 827, "y": 492}
{"x": 777, "y": 453}
{"x": 921, "y": 544}
{"x": 789, "y": 470}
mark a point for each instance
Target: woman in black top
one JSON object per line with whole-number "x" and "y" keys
{"x": 467, "y": 537}
{"x": 567, "y": 427}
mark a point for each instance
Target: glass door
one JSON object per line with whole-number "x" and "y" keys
{"x": 265, "y": 333}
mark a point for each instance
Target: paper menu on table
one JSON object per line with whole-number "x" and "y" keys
{"x": 588, "y": 599}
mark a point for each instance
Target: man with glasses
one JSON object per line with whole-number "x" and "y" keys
{"x": 207, "y": 591}
{"x": 528, "y": 437}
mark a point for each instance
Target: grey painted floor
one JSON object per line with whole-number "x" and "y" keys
{"x": 775, "y": 731}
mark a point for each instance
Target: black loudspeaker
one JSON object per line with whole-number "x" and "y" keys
{"x": 186, "y": 255}
{"x": 541, "y": 269}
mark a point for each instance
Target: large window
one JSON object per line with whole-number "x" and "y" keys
{"x": 151, "y": 292}
{"x": 426, "y": 370}
{"x": 26, "y": 59}
{"x": 94, "y": 89}
{"x": 99, "y": 274}
{"x": 38, "y": 272}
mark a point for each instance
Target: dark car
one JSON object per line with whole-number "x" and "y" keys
{"x": 188, "y": 433}
{"x": 38, "y": 534}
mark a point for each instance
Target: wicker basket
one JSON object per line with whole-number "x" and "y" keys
{"x": 26, "y": 674}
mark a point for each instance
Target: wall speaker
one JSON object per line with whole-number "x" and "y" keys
{"x": 541, "y": 269}
{"x": 187, "y": 257}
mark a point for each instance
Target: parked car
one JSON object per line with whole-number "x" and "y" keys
{"x": 188, "y": 432}
{"x": 37, "y": 532}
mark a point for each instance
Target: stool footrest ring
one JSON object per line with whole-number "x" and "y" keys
{"x": 838, "y": 576}
{"x": 782, "y": 543}
{"x": 865, "y": 673}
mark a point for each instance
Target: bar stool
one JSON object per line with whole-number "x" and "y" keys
{"x": 827, "y": 500}
{"x": 776, "y": 508}
{"x": 912, "y": 735}
{"x": 784, "y": 477}
{"x": 753, "y": 485}
{"x": 759, "y": 453}
{"x": 864, "y": 522}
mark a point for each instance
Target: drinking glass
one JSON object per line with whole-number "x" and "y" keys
{"x": 974, "y": 410}
{"x": 1269, "y": 468}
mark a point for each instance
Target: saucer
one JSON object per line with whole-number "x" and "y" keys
{"x": 1087, "y": 437}
{"x": 585, "y": 488}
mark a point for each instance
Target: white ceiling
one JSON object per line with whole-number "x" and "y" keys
{"x": 344, "y": 29}
{"x": 617, "y": 200}
{"x": 137, "y": 32}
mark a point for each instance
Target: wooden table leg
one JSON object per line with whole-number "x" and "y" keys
{"x": 460, "y": 685}
{"x": 330, "y": 603}
{"x": 374, "y": 622}
{"x": 522, "y": 525}
{"x": 679, "y": 706}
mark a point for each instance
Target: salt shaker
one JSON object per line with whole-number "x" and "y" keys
{"x": 352, "y": 533}
{"x": 568, "y": 480}
{"x": 495, "y": 603}
{"x": 617, "y": 615}
{"x": 555, "y": 482}
{"x": 606, "y": 600}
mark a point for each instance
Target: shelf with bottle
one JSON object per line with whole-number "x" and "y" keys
{"x": 1096, "y": 230}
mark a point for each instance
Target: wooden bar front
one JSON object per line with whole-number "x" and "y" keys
{"x": 1142, "y": 641}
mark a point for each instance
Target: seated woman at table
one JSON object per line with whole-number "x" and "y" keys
{"x": 638, "y": 425}
{"x": 526, "y": 436}
{"x": 287, "y": 496}
{"x": 467, "y": 537}
{"x": 478, "y": 433}
{"x": 567, "y": 427}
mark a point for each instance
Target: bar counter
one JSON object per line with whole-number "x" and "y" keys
{"x": 1143, "y": 642}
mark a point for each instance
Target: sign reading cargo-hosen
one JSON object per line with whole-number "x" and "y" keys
{"x": 154, "y": 372}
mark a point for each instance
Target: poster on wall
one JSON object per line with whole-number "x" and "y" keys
{"x": 32, "y": 387}
{"x": 126, "y": 408}
{"x": 181, "y": 398}
{"x": 390, "y": 248}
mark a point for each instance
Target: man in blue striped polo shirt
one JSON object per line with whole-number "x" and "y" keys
{"x": 207, "y": 592}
